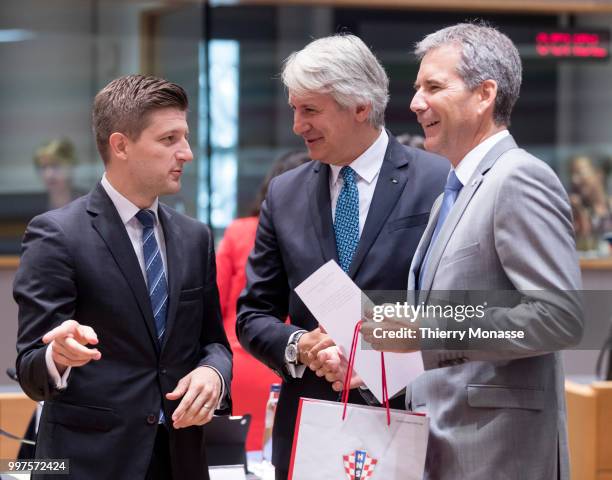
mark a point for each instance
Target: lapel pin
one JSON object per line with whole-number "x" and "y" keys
{"x": 394, "y": 180}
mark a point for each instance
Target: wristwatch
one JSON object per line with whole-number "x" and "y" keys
{"x": 292, "y": 354}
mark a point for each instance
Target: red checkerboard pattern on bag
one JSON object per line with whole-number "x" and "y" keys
{"x": 366, "y": 471}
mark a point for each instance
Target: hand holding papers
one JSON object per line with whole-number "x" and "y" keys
{"x": 392, "y": 335}
{"x": 336, "y": 302}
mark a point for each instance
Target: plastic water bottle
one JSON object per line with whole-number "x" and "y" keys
{"x": 269, "y": 421}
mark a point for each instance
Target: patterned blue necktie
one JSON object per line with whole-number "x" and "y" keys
{"x": 451, "y": 191}
{"x": 346, "y": 222}
{"x": 154, "y": 266}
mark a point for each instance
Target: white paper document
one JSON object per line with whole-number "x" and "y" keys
{"x": 227, "y": 472}
{"x": 335, "y": 301}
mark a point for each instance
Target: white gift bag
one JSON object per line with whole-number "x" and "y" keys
{"x": 363, "y": 446}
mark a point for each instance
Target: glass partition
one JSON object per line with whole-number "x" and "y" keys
{"x": 57, "y": 55}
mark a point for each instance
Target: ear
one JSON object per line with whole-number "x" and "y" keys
{"x": 118, "y": 145}
{"x": 487, "y": 95}
{"x": 362, "y": 112}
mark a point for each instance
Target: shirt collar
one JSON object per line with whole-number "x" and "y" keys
{"x": 367, "y": 165}
{"x": 468, "y": 165}
{"x": 126, "y": 209}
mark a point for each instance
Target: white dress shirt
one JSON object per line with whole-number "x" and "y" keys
{"x": 367, "y": 167}
{"x": 468, "y": 165}
{"x": 127, "y": 211}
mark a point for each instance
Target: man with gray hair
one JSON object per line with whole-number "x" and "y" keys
{"x": 363, "y": 201}
{"x": 503, "y": 225}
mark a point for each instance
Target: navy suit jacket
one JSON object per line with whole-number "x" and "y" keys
{"x": 296, "y": 236}
{"x": 78, "y": 262}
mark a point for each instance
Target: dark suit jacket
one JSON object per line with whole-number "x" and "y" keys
{"x": 78, "y": 262}
{"x": 295, "y": 237}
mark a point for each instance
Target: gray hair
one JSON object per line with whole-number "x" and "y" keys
{"x": 344, "y": 67}
{"x": 486, "y": 54}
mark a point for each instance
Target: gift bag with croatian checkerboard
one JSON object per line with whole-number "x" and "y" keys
{"x": 337, "y": 440}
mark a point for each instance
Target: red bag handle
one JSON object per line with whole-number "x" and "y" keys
{"x": 349, "y": 374}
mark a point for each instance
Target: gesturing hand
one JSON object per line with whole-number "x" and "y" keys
{"x": 200, "y": 390}
{"x": 68, "y": 345}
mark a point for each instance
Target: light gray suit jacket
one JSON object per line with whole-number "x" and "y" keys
{"x": 497, "y": 410}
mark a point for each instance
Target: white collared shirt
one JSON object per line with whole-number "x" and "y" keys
{"x": 127, "y": 211}
{"x": 367, "y": 167}
{"x": 468, "y": 165}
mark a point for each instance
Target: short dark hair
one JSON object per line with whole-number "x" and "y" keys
{"x": 125, "y": 103}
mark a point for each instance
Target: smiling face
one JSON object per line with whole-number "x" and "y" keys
{"x": 332, "y": 134}
{"x": 454, "y": 119}
{"x": 151, "y": 165}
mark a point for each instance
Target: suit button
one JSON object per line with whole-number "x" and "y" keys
{"x": 152, "y": 419}
{"x": 163, "y": 371}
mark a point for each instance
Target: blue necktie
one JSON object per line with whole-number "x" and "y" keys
{"x": 156, "y": 279}
{"x": 346, "y": 222}
{"x": 154, "y": 266}
{"x": 451, "y": 191}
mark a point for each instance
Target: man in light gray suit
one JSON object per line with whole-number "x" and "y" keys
{"x": 503, "y": 224}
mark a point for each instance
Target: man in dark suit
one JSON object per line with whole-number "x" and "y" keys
{"x": 120, "y": 330}
{"x": 364, "y": 201}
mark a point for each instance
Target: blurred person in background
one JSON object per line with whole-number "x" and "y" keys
{"x": 410, "y": 140}
{"x": 55, "y": 161}
{"x": 590, "y": 203}
{"x": 252, "y": 379}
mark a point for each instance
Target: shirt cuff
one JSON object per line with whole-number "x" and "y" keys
{"x": 60, "y": 381}
{"x": 222, "y": 394}
{"x": 295, "y": 371}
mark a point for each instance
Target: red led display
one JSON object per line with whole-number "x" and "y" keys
{"x": 572, "y": 44}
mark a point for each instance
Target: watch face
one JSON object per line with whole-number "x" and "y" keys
{"x": 291, "y": 353}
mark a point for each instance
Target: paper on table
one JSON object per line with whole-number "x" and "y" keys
{"x": 335, "y": 301}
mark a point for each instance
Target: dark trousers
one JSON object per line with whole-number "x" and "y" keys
{"x": 280, "y": 474}
{"x": 160, "y": 467}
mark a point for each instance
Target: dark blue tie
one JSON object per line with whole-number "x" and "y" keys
{"x": 154, "y": 266}
{"x": 346, "y": 221}
{"x": 451, "y": 191}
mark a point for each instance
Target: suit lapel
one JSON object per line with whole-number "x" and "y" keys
{"x": 389, "y": 187}
{"x": 463, "y": 200}
{"x": 107, "y": 222}
{"x": 320, "y": 211}
{"x": 421, "y": 249}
